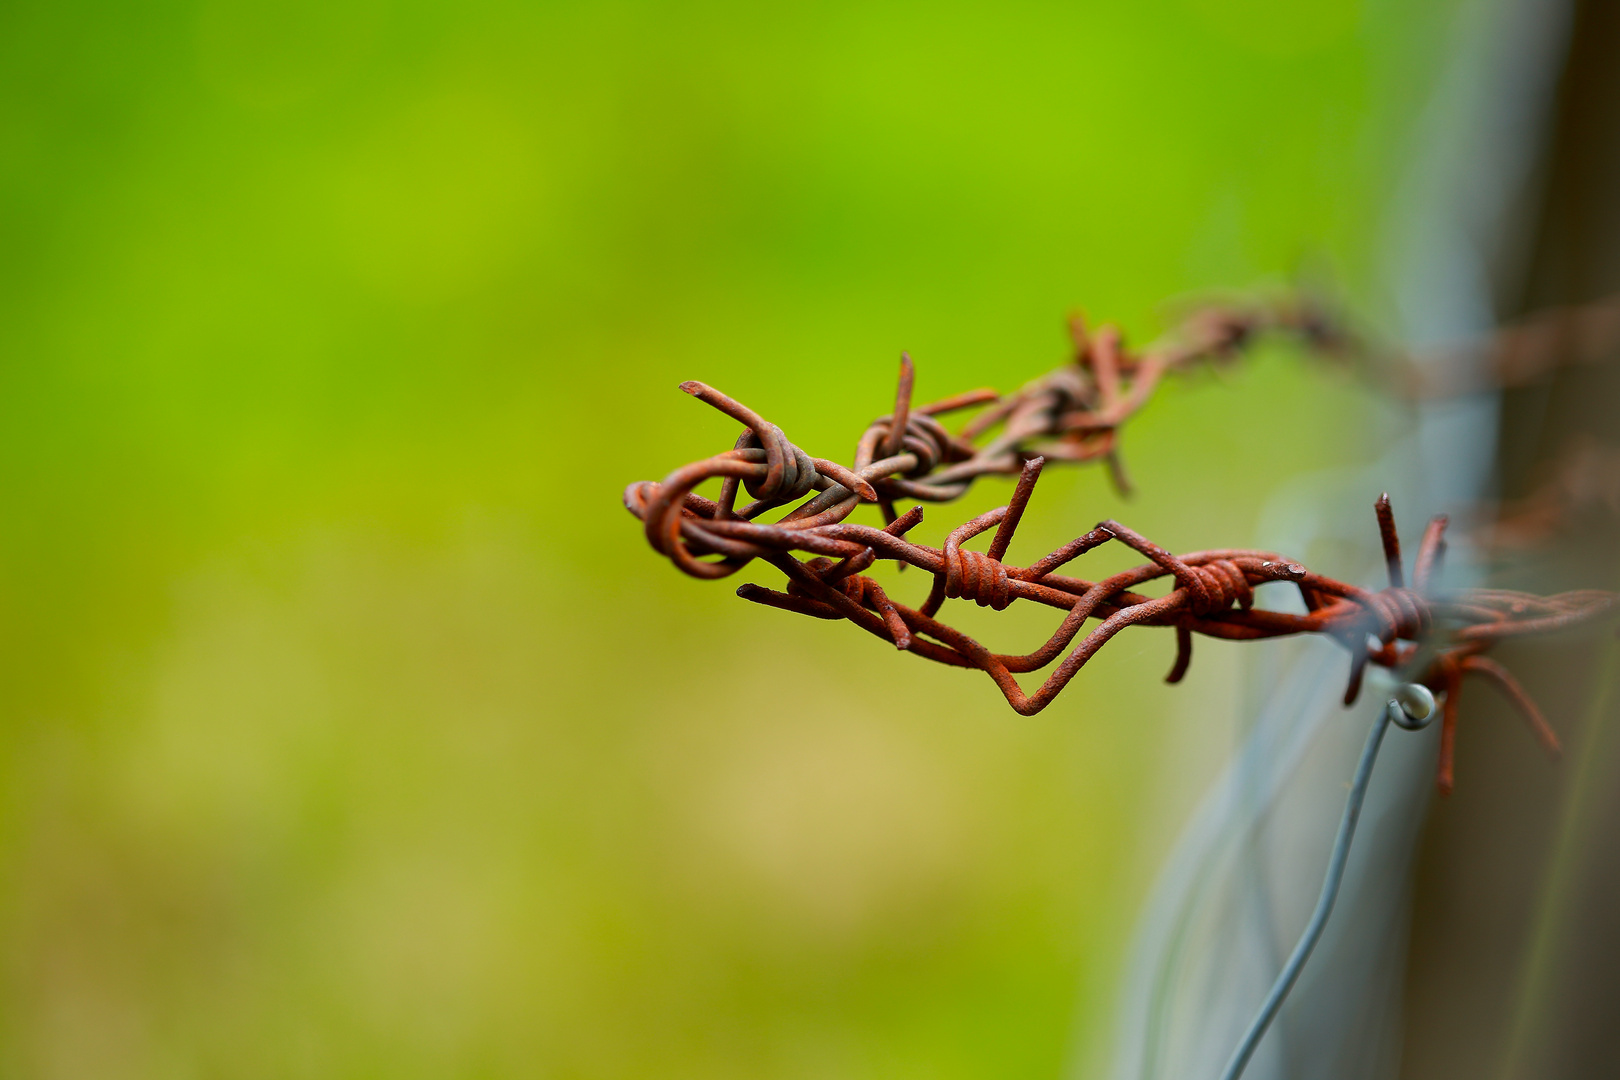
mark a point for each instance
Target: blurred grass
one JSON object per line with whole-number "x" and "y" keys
{"x": 350, "y": 728}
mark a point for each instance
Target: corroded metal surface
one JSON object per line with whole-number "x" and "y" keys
{"x": 1073, "y": 414}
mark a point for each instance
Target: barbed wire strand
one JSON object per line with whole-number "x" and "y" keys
{"x": 1073, "y": 414}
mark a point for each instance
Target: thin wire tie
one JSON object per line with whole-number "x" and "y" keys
{"x": 1410, "y": 709}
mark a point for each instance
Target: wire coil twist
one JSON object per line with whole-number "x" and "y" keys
{"x": 1075, "y": 415}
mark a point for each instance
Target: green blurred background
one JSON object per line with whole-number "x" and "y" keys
{"x": 351, "y": 729}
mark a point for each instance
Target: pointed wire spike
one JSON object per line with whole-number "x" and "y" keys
{"x": 1445, "y": 768}
{"x": 1431, "y": 553}
{"x": 1106, "y": 353}
{"x": 1015, "y": 507}
{"x": 902, "y": 407}
{"x": 1183, "y": 655}
{"x": 1117, "y": 474}
{"x": 1391, "y": 540}
{"x": 1079, "y": 335}
{"x": 732, "y": 408}
{"x": 1520, "y": 698}
{"x": 905, "y": 522}
{"x": 899, "y": 632}
{"x": 1358, "y": 668}
{"x": 982, "y": 396}
{"x": 847, "y": 478}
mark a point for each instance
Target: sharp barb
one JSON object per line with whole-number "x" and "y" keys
{"x": 1392, "y": 541}
{"x": 1431, "y": 550}
{"x": 1183, "y": 655}
{"x": 1117, "y": 474}
{"x": 1521, "y": 700}
{"x": 1445, "y": 770}
{"x": 1015, "y": 508}
{"x": 902, "y": 407}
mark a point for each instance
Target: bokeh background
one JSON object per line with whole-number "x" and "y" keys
{"x": 351, "y": 729}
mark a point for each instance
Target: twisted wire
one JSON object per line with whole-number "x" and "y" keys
{"x": 1073, "y": 414}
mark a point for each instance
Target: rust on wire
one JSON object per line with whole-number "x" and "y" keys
{"x": 1073, "y": 414}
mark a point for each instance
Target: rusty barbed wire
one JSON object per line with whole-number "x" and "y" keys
{"x": 1072, "y": 414}
{"x": 1581, "y": 481}
{"x": 1527, "y": 352}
